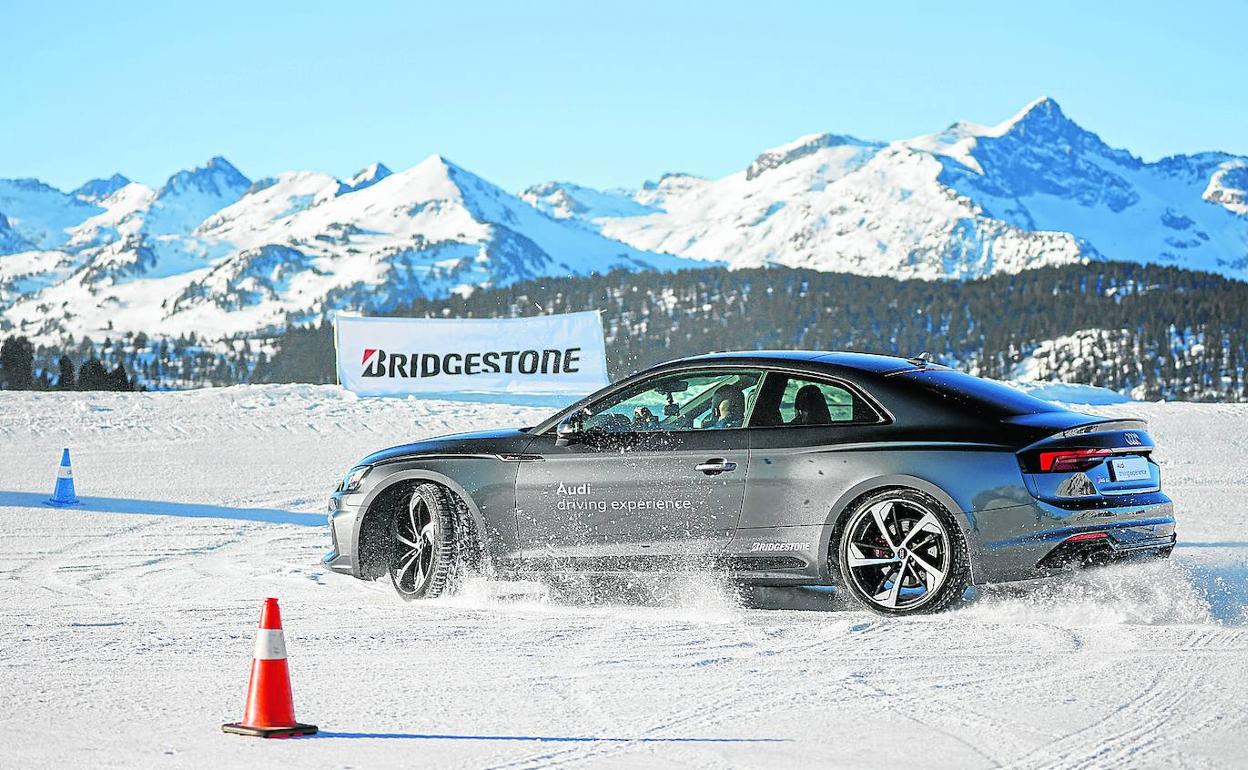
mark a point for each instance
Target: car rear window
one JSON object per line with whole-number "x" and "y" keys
{"x": 979, "y": 395}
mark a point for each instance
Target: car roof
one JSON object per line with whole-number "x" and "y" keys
{"x": 862, "y": 362}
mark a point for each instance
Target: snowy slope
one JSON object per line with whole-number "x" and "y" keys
{"x": 40, "y": 215}
{"x": 1034, "y": 190}
{"x": 128, "y": 623}
{"x": 1041, "y": 171}
{"x": 214, "y": 253}
{"x": 190, "y": 196}
{"x": 305, "y": 244}
{"x": 106, "y": 251}
{"x": 367, "y": 176}
{"x": 847, "y": 207}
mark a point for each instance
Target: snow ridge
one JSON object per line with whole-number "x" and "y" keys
{"x": 214, "y": 252}
{"x": 1034, "y": 190}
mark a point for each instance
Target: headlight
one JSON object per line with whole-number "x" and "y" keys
{"x": 353, "y": 479}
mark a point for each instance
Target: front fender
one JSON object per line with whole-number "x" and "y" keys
{"x": 485, "y": 484}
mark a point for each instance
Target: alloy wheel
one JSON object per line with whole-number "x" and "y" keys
{"x": 415, "y": 547}
{"x": 897, "y": 553}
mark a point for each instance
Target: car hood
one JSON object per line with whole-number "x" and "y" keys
{"x": 477, "y": 443}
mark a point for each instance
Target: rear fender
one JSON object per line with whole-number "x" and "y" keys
{"x": 828, "y": 570}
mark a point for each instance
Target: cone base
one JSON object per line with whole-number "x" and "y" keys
{"x": 296, "y": 730}
{"x": 62, "y": 503}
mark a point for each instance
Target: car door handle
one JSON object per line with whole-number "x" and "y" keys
{"x": 716, "y": 466}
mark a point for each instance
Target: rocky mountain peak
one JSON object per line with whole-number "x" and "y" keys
{"x": 368, "y": 176}
{"x": 99, "y": 189}
{"x": 800, "y": 148}
{"x": 218, "y": 177}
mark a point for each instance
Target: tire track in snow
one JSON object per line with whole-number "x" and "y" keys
{"x": 745, "y": 695}
{"x": 1159, "y": 716}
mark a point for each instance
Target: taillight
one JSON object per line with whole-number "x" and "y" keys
{"x": 1082, "y": 536}
{"x": 1067, "y": 460}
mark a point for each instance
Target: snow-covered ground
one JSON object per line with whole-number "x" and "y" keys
{"x": 126, "y": 625}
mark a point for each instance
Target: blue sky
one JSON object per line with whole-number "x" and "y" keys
{"x": 600, "y": 93}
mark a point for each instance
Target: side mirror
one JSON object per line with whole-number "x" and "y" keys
{"x": 570, "y": 428}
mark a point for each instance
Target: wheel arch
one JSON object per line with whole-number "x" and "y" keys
{"x": 831, "y": 531}
{"x": 372, "y": 526}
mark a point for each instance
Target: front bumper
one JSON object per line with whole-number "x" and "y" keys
{"x": 1016, "y": 543}
{"x": 343, "y": 511}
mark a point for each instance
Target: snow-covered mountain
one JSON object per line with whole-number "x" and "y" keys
{"x": 970, "y": 200}
{"x": 213, "y": 252}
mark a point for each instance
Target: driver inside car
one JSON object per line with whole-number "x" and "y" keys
{"x": 729, "y": 408}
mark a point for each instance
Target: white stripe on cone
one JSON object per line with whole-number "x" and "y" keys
{"x": 65, "y": 472}
{"x": 270, "y": 644}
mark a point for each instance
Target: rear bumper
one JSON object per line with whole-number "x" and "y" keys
{"x": 1077, "y": 552}
{"x": 1017, "y": 543}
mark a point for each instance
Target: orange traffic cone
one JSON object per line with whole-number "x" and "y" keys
{"x": 270, "y": 710}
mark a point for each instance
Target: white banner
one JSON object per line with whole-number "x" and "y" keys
{"x": 545, "y": 354}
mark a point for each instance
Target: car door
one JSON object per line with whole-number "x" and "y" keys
{"x": 795, "y": 478}
{"x": 658, "y": 470}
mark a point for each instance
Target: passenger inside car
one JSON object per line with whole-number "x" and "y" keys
{"x": 644, "y": 419}
{"x": 787, "y": 400}
{"x": 811, "y": 407}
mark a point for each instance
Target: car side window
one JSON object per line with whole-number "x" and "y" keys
{"x": 790, "y": 400}
{"x": 681, "y": 401}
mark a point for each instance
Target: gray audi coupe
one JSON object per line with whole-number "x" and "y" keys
{"x": 898, "y": 481}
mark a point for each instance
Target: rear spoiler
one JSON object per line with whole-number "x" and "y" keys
{"x": 1104, "y": 426}
{"x": 1099, "y": 437}
{"x": 1063, "y": 424}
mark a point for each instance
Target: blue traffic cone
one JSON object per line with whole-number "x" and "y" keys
{"x": 64, "y": 493}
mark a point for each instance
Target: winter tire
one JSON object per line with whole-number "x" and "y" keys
{"x": 901, "y": 553}
{"x": 424, "y": 559}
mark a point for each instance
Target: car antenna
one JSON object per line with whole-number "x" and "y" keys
{"x": 921, "y": 360}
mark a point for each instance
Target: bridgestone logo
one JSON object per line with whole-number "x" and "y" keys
{"x": 379, "y": 363}
{"x": 779, "y": 546}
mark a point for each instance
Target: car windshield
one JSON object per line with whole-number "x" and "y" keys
{"x": 983, "y": 396}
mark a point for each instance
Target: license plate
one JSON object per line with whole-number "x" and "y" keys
{"x": 1130, "y": 469}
